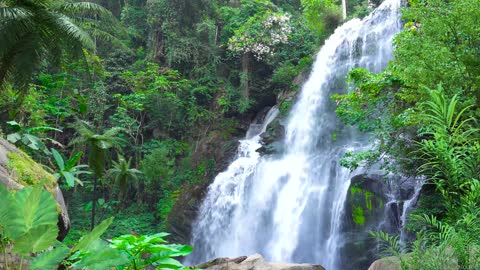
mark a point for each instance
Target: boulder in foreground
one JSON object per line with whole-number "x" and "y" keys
{"x": 253, "y": 262}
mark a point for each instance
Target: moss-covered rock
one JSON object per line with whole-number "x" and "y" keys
{"x": 18, "y": 170}
{"x": 364, "y": 211}
{"x": 27, "y": 172}
{"x": 365, "y": 201}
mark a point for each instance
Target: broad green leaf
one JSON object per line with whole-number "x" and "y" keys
{"x": 100, "y": 256}
{"x": 32, "y": 207}
{"x": 6, "y": 202}
{"x": 181, "y": 250}
{"x": 36, "y": 239}
{"x": 69, "y": 178}
{"x": 168, "y": 263}
{"x": 13, "y": 123}
{"x": 50, "y": 259}
{"x": 14, "y": 137}
{"x": 33, "y": 142}
{"x": 58, "y": 159}
{"x": 94, "y": 235}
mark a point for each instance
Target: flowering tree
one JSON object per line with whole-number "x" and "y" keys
{"x": 261, "y": 34}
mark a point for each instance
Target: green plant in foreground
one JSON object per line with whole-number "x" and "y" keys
{"x": 28, "y": 219}
{"x": 28, "y": 226}
{"x": 150, "y": 250}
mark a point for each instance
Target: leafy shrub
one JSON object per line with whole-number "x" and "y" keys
{"x": 150, "y": 250}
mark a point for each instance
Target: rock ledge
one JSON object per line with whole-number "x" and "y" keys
{"x": 253, "y": 262}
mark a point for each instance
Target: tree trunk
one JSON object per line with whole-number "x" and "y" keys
{"x": 245, "y": 79}
{"x": 94, "y": 203}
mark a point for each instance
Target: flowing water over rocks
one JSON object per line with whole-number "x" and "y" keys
{"x": 289, "y": 207}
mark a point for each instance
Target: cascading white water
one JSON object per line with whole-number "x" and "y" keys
{"x": 289, "y": 207}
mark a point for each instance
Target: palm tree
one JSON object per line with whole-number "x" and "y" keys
{"x": 98, "y": 146}
{"x": 34, "y": 32}
{"x": 122, "y": 173}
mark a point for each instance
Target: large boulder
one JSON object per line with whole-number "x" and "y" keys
{"x": 254, "y": 262}
{"x": 18, "y": 170}
{"x": 369, "y": 207}
{"x": 365, "y": 201}
{"x": 388, "y": 263}
{"x": 375, "y": 202}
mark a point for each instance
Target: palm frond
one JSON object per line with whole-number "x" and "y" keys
{"x": 85, "y": 9}
{"x": 74, "y": 33}
{"x": 13, "y": 14}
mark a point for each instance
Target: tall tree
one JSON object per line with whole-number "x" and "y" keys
{"x": 98, "y": 145}
{"x": 37, "y": 31}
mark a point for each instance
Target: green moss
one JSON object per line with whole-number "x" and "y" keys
{"x": 28, "y": 172}
{"x": 368, "y": 200}
{"x": 285, "y": 107}
{"x": 358, "y": 216}
{"x": 355, "y": 190}
{"x": 368, "y": 196}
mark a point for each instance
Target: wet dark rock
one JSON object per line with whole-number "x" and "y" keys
{"x": 219, "y": 144}
{"x": 369, "y": 207}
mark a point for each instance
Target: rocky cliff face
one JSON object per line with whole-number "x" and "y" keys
{"x": 254, "y": 262}
{"x": 18, "y": 170}
{"x": 219, "y": 145}
{"x": 374, "y": 203}
{"x": 222, "y": 146}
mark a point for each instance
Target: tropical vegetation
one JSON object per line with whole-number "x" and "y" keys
{"x": 129, "y": 104}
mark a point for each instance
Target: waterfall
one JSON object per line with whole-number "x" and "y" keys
{"x": 288, "y": 207}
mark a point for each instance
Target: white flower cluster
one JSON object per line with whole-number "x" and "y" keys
{"x": 276, "y": 19}
{"x": 276, "y": 31}
{"x": 279, "y": 26}
{"x": 259, "y": 50}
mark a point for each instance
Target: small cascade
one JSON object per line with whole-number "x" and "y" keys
{"x": 408, "y": 206}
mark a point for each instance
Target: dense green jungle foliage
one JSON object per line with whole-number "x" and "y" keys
{"x": 424, "y": 111}
{"x": 117, "y": 99}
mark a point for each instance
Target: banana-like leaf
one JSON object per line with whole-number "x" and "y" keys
{"x": 14, "y": 124}
{"x": 14, "y": 137}
{"x": 36, "y": 239}
{"x": 50, "y": 259}
{"x": 87, "y": 240}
